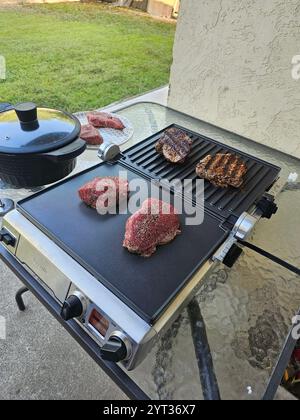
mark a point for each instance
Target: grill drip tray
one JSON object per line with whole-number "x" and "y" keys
{"x": 147, "y": 286}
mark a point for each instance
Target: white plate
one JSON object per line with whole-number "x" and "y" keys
{"x": 110, "y": 135}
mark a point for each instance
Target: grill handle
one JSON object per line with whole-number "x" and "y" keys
{"x": 271, "y": 257}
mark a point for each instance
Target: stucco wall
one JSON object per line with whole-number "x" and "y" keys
{"x": 233, "y": 67}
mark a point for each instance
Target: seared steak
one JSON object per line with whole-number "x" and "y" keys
{"x": 104, "y": 193}
{"x": 91, "y": 135}
{"x": 175, "y": 145}
{"x": 156, "y": 223}
{"x": 104, "y": 120}
{"x": 222, "y": 170}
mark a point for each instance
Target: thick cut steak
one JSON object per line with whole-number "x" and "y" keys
{"x": 104, "y": 193}
{"x": 104, "y": 120}
{"x": 90, "y": 134}
{"x": 156, "y": 223}
{"x": 222, "y": 170}
{"x": 175, "y": 145}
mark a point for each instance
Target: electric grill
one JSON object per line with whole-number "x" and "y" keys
{"x": 122, "y": 301}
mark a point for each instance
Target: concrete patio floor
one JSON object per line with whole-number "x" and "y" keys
{"x": 39, "y": 360}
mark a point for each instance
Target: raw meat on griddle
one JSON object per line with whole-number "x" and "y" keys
{"x": 104, "y": 193}
{"x": 156, "y": 223}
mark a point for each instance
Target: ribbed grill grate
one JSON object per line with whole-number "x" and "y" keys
{"x": 225, "y": 202}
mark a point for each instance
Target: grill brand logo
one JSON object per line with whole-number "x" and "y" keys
{"x": 2, "y": 328}
{"x": 296, "y": 329}
{"x": 296, "y": 67}
{"x": 2, "y": 68}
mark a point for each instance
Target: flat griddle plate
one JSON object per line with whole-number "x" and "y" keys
{"x": 147, "y": 286}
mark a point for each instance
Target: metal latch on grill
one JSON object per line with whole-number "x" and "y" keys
{"x": 108, "y": 152}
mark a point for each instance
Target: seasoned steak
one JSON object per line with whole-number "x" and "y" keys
{"x": 104, "y": 120}
{"x": 104, "y": 193}
{"x": 91, "y": 135}
{"x": 175, "y": 145}
{"x": 222, "y": 170}
{"x": 156, "y": 223}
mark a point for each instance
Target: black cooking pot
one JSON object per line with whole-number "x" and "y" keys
{"x": 38, "y": 146}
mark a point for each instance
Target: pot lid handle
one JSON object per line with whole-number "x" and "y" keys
{"x": 26, "y": 112}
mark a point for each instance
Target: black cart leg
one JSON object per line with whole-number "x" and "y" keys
{"x": 19, "y": 298}
{"x": 210, "y": 387}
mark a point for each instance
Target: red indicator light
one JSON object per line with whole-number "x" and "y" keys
{"x": 98, "y": 322}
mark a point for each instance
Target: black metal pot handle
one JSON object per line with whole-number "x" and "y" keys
{"x": 27, "y": 113}
{"x": 70, "y": 151}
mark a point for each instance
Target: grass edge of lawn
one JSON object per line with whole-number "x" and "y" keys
{"x": 114, "y": 79}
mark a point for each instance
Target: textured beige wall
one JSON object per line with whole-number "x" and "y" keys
{"x": 233, "y": 67}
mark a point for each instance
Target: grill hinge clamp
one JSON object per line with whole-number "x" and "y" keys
{"x": 229, "y": 252}
{"x": 109, "y": 152}
{"x": 267, "y": 206}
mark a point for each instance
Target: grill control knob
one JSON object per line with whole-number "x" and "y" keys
{"x": 73, "y": 307}
{"x": 114, "y": 350}
{"x": 7, "y": 238}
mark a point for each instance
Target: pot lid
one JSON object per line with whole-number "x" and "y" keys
{"x": 28, "y": 129}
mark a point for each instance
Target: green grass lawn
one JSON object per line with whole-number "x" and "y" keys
{"x": 81, "y": 56}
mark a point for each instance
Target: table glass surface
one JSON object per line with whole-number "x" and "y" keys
{"x": 248, "y": 309}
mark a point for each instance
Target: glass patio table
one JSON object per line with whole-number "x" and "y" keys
{"x": 247, "y": 309}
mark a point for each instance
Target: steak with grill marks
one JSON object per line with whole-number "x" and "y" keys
{"x": 175, "y": 145}
{"x": 222, "y": 170}
{"x": 156, "y": 223}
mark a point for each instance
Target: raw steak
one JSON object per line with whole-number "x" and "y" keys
{"x": 222, "y": 170}
{"x": 91, "y": 135}
{"x": 104, "y": 193}
{"x": 104, "y": 120}
{"x": 175, "y": 145}
{"x": 156, "y": 223}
